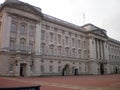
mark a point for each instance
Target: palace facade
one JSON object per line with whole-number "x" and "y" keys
{"x": 35, "y": 44}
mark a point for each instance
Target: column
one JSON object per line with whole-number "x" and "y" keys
{"x": 38, "y": 38}
{"x": 103, "y": 49}
{"x": 18, "y": 36}
{"x": 98, "y": 49}
{"x": 5, "y": 31}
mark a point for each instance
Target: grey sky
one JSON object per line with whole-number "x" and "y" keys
{"x": 102, "y": 13}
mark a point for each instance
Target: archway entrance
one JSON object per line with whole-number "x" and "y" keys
{"x": 76, "y": 72}
{"x": 101, "y": 68}
{"x": 116, "y": 70}
{"x": 22, "y": 69}
{"x": 65, "y": 70}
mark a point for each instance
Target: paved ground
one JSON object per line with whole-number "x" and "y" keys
{"x": 105, "y": 82}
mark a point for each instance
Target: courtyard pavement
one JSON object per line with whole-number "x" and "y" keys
{"x": 90, "y": 82}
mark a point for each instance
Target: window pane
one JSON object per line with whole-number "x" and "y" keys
{"x": 42, "y": 49}
{"x": 11, "y": 66}
{"x": 30, "y": 47}
{"x": 22, "y": 44}
{"x": 59, "y": 38}
{"x": 31, "y": 31}
{"x": 51, "y": 68}
{"x": 42, "y": 68}
{"x": 42, "y": 35}
{"x": 51, "y": 37}
{"x": 13, "y": 27}
{"x": 22, "y": 29}
{"x": 12, "y": 44}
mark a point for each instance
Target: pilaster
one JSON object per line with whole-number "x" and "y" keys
{"x": 38, "y": 38}
{"x": 5, "y": 30}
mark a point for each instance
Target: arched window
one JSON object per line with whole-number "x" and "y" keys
{"x": 51, "y": 48}
{"x": 59, "y": 51}
{"x": 73, "y": 52}
{"x": 67, "y": 51}
{"x": 79, "y": 53}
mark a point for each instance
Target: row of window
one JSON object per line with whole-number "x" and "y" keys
{"x": 59, "y": 68}
{"x": 22, "y": 28}
{"x": 63, "y": 52}
{"x": 22, "y": 44}
{"x": 114, "y": 50}
{"x": 42, "y": 68}
{"x": 112, "y": 57}
{"x": 61, "y": 40}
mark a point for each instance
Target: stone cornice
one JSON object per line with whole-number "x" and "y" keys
{"x": 21, "y": 6}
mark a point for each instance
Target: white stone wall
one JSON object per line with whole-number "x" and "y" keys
{"x": 81, "y": 56}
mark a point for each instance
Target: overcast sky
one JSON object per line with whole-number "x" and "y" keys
{"x": 102, "y": 13}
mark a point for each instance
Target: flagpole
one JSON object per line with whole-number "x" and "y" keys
{"x": 83, "y": 18}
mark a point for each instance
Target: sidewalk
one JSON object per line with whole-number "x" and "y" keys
{"x": 93, "y": 82}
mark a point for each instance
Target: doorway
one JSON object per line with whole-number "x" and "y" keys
{"x": 76, "y": 72}
{"x": 102, "y": 68}
{"x": 22, "y": 69}
{"x": 65, "y": 70}
{"x": 116, "y": 70}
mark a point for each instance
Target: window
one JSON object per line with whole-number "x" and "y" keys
{"x": 51, "y": 37}
{"x": 13, "y": 27}
{"x": 55, "y": 28}
{"x": 73, "y": 52}
{"x": 78, "y": 43}
{"x": 47, "y": 27}
{"x": 51, "y": 68}
{"x": 79, "y": 53}
{"x": 109, "y": 57}
{"x": 109, "y": 50}
{"x": 59, "y": 38}
{"x": 73, "y": 42}
{"x": 31, "y": 47}
{"x": 59, "y": 51}
{"x": 31, "y": 31}
{"x": 22, "y": 44}
{"x": 32, "y": 65}
{"x": 66, "y": 40}
{"x": 84, "y": 44}
{"x": 51, "y": 50}
{"x": 42, "y": 35}
{"x": 67, "y": 52}
{"x": 59, "y": 68}
{"x": 42, "y": 68}
{"x": 42, "y": 49}
{"x": 11, "y": 66}
{"x": 12, "y": 44}
{"x": 22, "y": 29}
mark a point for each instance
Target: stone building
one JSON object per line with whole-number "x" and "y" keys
{"x": 35, "y": 44}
